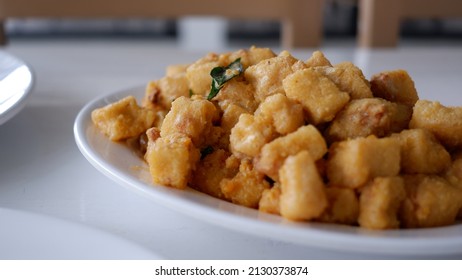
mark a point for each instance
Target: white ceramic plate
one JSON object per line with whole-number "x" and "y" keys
{"x": 26, "y": 235}
{"x": 122, "y": 165}
{"x": 16, "y": 81}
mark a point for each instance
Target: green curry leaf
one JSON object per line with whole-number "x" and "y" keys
{"x": 221, "y": 75}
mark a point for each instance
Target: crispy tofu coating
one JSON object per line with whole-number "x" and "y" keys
{"x": 250, "y": 56}
{"x": 267, "y": 75}
{"x": 395, "y": 86}
{"x": 249, "y": 135}
{"x": 123, "y": 119}
{"x": 273, "y": 154}
{"x": 303, "y": 195}
{"x": 343, "y": 207}
{"x": 422, "y": 153}
{"x": 348, "y": 78}
{"x": 380, "y": 202}
{"x": 317, "y": 59}
{"x": 164, "y": 91}
{"x": 320, "y": 97}
{"x": 212, "y": 169}
{"x": 237, "y": 92}
{"x": 175, "y": 69}
{"x": 430, "y": 201}
{"x": 444, "y": 122}
{"x": 192, "y": 117}
{"x": 269, "y": 202}
{"x": 172, "y": 159}
{"x": 246, "y": 188}
{"x": 198, "y": 73}
{"x": 368, "y": 116}
{"x": 352, "y": 163}
{"x": 308, "y": 140}
{"x": 284, "y": 114}
{"x": 454, "y": 173}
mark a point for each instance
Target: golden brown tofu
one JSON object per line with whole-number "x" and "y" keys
{"x": 422, "y": 153}
{"x": 230, "y": 117}
{"x": 198, "y": 73}
{"x": 431, "y": 201}
{"x": 380, "y": 201}
{"x": 395, "y": 86}
{"x": 273, "y": 154}
{"x": 454, "y": 173}
{"x": 284, "y": 114}
{"x": 368, "y": 116}
{"x": 193, "y": 118}
{"x": 173, "y": 70}
{"x": 123, "y": 119}
{"x": 348, "y": 78}
{"x": 165, "y": 90}
{"x": 212, "y": 169}
{"x": 352, "y": 163}
{"x": 303, "y": 195}
{"x": 444, "y": 122}
{"x": 238, "y": 92}
{"x": 317, "y": 59}
{"x": 267, "y": 75}
{"x": 269, "y": 202}
{"x": 249, "y": 57}
{"x": 171, "y": 160}
{"x": 320, "y": 97}
{"x": 343, "y": 207}
{"x": 249, "y": 135}
{"x": 246, "y": 187}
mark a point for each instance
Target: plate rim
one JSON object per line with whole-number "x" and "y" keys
{"x": 21, "y": 102}
{"x": 390, "y": 242}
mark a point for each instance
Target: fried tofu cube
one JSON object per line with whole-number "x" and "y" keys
{"x": 352, "y": 163}
{"x": 431, "y": 201}
{"x": 246, "y": 188}
{"x": 249, "y": 135}
{"x": 285, "y": 115}
{"x": 269, "y": 202}
{"x": 267, "y": 75}
{"x": 422, "y": 153}
{"x": 444, "y": 122}
{"x": 320, "y": 97}
{"x": 165, "y": 90}
{"x": 212, "y": 169}
{"x": 123, "y": 119}
{"x": 317, "y": 59}
{"x": 368, "y": 116}
{"x": 348, "y": 78}
{"x": 198, "y": 73}
{"x": 175, "y": 69}
{"x": 273, "y": 154}
{"x": 380, "y": 201}
{"x": 191, "y": 117}
{"x": 250, "y": 56}
{"x": 172, "y": 159}
{"x": 395, "y": 86}
{"x": 343, "y": 207}
{"x": 230, "y": 117}
{"x": 454, "y": 173}
{"x": 238, "y": 92}
{"x": 303, "y": 195}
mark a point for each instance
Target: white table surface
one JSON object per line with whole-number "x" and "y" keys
{"x": 42, "y": 171}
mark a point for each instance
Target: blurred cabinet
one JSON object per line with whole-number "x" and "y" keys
{"x": 301, "y": 20}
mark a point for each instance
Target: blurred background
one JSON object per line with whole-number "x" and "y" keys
{"x": 339, "y": 20}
